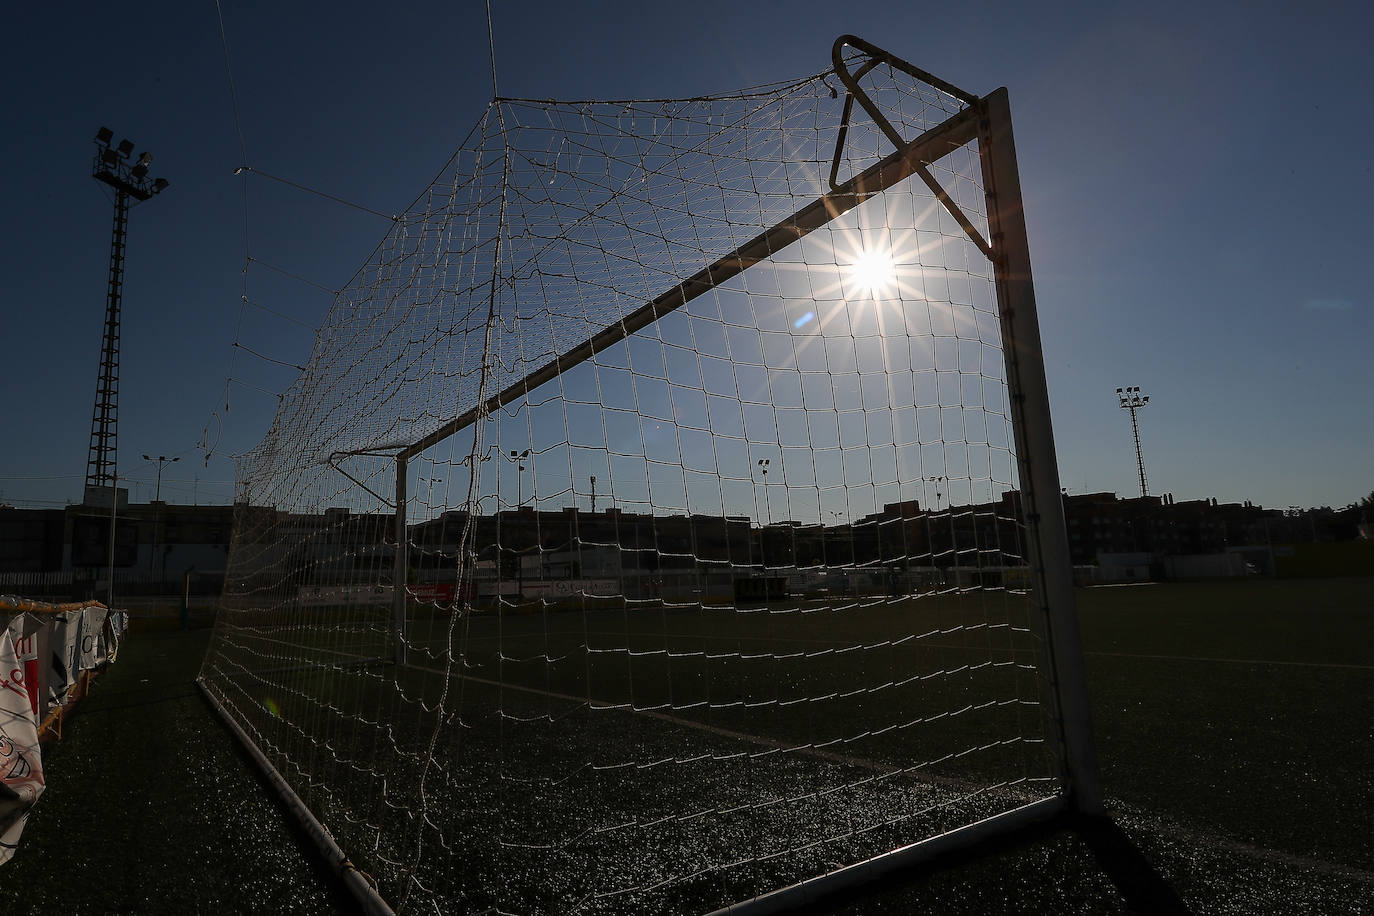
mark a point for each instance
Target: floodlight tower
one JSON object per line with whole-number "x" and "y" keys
{"x": 1131, "y": 400}
{"x": 131, "y": 182}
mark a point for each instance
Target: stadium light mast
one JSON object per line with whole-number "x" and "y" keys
{"x": 1132, "y": 400}
{"x": 131, "y": 182}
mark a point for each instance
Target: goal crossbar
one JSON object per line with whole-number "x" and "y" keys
{"x": 901, "y": 164}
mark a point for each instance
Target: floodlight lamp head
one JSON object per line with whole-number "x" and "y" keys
{"x": 104, "y": 136}
{"x": 159, "y": 185}
{"x": 126, "y": 148}
{"x": 139, "y": 171}
{"x": 145, "y": 159}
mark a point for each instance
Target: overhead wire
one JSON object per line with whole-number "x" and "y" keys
{"x": 316, "y": 191}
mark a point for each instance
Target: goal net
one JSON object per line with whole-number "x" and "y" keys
{"x": 646, "y": 531}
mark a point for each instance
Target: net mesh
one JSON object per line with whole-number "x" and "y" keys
{"x": 734, "y": 597}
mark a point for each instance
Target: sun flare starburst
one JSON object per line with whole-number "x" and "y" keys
{"x": 873, "y": 275}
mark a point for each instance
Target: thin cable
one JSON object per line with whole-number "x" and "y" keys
{"x": 491, "y": 49}
{"x": 282, "y": 315}
{"x": 269, "y": 359}
{"x": 317, "y": 192}
{"x": 286, "y": 273}
{"x": 233, "y": 93}
{"x": 243, "y": 270}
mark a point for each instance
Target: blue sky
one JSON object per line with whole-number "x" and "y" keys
{"x": 1197, "y": 188}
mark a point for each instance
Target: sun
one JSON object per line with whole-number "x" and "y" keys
{"x": 872, "y": 274}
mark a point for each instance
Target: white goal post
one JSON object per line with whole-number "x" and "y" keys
{"x": 592, "y": 564}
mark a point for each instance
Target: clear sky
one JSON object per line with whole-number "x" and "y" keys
{"x": 1197, "y": 185}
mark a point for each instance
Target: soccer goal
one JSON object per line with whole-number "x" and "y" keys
{"x": 668, "y": 518}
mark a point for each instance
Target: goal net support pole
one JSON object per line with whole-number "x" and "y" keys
{"x": 401, "y": 562}
{"x": 1050, "y": 560}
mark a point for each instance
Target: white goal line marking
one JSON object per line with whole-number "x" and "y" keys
{"x": 1234, "y": 661}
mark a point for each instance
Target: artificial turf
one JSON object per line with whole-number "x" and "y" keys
{"x": 1232, "y": 727}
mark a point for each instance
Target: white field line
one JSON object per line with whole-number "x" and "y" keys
{"x": 1134, "y": 817}
{"x": 1233, "y": 661}
{"x": 1273, "y": 856}
{"x": 800, "y": 640}
{"x": 861, "y": 763}
{"x": 759, "y": 740}
{"x": 834, "y": 643}
{"x": 294, "y": 645}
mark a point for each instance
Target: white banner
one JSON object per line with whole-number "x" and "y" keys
{"x": 24, "y": 631}
{"x": 21, "y": 766}
{"x": 92, "y": 622}
{"x": 66, "y": 648}
{"x": 110, "y": 635}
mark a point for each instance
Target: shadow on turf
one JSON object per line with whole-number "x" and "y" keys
{"x": 1144, "y": 891}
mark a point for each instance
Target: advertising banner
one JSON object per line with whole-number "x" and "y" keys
{"x": 21, "y": 766}
{"x": 65, "y": 654}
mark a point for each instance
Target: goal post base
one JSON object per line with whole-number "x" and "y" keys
{"x": 1140, "y": 884}
{"x": 964, "y": 842}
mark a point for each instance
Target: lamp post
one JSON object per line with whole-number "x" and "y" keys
{"x": 161, "y": 460}
{"x": 937, "y": 481}
{"x": 518, "y": 458}
{"x": 1132, "y": 400}
{"x": 767, "y": 511}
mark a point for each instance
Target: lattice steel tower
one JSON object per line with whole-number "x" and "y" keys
{"x": 112, "y": 166}
{"x": 1131, "y": 400}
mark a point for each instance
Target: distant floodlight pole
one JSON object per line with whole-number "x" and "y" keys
{"x": 112, "y": 167}
{"x": 518, "y": 458}
{"x": 1131, "y": 400}
{"x": 114, "y": 512}
{"x": 162, "y": 460}
{"x": 767, "y": 510}
{"x": 157, "y": 502}
{"x": 939, "y": 482}
{"x": 593, "y": 494}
